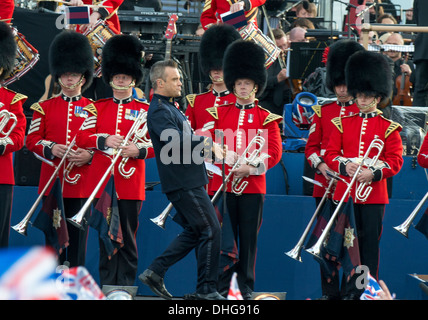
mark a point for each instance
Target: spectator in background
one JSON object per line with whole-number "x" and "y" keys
{"x": 298, "y": 34}
{"x": 303, "y": 23}
{"x": 386, "y": 18}
{"x": 306, "y": 10}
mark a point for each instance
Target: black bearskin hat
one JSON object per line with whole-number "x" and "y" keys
{"x": 7, "y": 50}
{"x": 244, "y": 59}
{"x": 338, "y": 54}
{"x": 122, "y": 54}
{"x": 213, "y": 44}
{"x": 369, "y": 73}
{"x": 71, "y": 51}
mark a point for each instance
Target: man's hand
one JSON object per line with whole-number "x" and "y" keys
{"x": 58, "y": 150}
{"x": 237, "y": 6}
{"x": 114, "y": 141}
{"x": 79, "y": 157}
{"x": 130, "y": 151}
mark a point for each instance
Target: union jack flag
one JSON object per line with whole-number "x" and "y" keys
{"x": 234, "y": 292}
{"x": 372, "y": 289}
{"x": 29, "y": 274}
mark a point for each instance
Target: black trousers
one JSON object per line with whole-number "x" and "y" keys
{"x": 75, "y": 253}
{"x": 6, "y": 196}
{"x": 201, "y": 231}
{"x": 121, "y": 269}
{"x": 246, "y": 212}
{"x": 368, "y": 220}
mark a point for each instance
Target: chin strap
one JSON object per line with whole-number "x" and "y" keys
{"x": 73, "y": 86}
{"x": 246, "y": 97}
{"x": 131, "y": 85}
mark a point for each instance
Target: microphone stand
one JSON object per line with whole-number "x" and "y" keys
{"x": 348, "y": 8}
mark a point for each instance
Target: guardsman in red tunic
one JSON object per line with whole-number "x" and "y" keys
{"x": 54, "y": 126}
{"x": 213, "y": 44}
{"x": 214, "y": 8}
{"x": 369, "y": 80}
{"x": 109, "y": 121}
{"x": 321, "y": 128}
{"x": 245, "y": 75}
{"x": 12, "y": 132}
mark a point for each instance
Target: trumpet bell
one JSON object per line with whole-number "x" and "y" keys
{"x": 403, "y": 229}
{"x": 77, "y": 221}
{"x": 21, "y": 227}
{"x": 295, "y": 253}
{"x": 159, "y": 221}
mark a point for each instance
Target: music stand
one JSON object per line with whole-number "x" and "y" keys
{"x": 305, "y": 57}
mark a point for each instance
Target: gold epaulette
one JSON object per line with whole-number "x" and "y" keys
{"x": 191, "y": 99}
{"x": 91, "y": 109}
{"x": 37, "y": 107}
{"x": 18, "y": 97}
{"x": 270, "y": 117}
{"x": 213, "y": 111}
{"x": 338, "y": 123}
{"x": 392, "y": 127}
{"x": 317, "y": 110}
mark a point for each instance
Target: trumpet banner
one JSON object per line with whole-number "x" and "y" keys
{"x": 342, "y": 245}
{"x": 51, "y": 219}
{"x": 105, "y": 219}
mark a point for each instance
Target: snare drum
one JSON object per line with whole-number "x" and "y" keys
{"x": 26, "y": 57}
{"x": 252, "y": 33}
{"x": 98, "y": 37}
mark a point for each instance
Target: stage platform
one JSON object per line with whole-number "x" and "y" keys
{"x": 284, "y": 219}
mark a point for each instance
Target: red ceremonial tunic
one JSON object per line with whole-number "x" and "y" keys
{"x": 200, "y": 120}
{"x": 57, "y": 120}
{"x": 214, "y": 8}
{"x": 319, "y": 135}
{"x": 240, "y": 125}
{"x": 12, "y": 102}
{"x": 350, "y": 141}
{"x": 114, "y": 117}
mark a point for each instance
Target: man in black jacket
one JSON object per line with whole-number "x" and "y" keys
{"x": 180, "y": 161}
{"x": 420, "y": 57}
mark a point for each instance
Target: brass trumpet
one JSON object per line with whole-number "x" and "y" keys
{"x": 295, "y": 253}
{"x": 140, "y": 137}
{"x": 77, "y": 219}
{"x": 258, "y": 140}
{"x": 404, "y": 227}
{"x": 316, "y": 248}
{"x": 5, "y": 118}
{"x": 363, "y": 190}
{"x": 22, "y": 226}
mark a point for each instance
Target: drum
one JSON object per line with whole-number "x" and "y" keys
{"x": 97, "y": 37}
{"x": 252, "y": 33}
{"x": 26, "y": 57}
